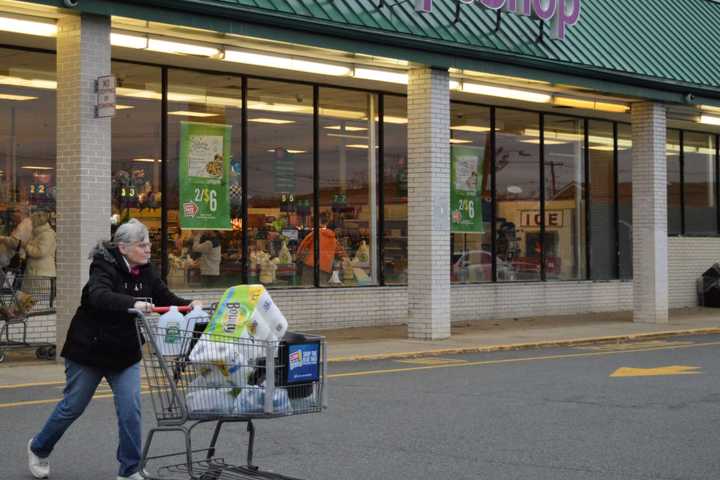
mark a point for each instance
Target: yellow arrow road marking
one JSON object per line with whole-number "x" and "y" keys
{"x": 656, "y": 372}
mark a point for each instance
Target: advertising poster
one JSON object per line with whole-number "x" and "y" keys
{"x": 467, "y": 173}
{"x": 204, "y": 170}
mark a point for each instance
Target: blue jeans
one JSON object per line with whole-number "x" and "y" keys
{"x": 80, "y": 386}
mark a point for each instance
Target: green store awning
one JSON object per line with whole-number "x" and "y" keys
{"x": 669, "y": 45}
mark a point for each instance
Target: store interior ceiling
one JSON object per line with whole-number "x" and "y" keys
{"x": 554, "y": 98}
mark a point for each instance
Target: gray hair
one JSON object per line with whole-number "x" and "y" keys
{"x": 131, "y": 231}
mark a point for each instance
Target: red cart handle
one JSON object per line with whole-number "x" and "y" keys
{"x": 182, "y": 309}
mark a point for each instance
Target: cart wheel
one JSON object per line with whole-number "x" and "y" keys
{"x": 41, "y": 353}
{"x": 2, "y": 356}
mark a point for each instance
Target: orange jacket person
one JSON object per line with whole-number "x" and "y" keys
{"x": 329, "y": 248}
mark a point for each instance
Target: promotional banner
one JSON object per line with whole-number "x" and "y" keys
{"x": 467, "y": 173}
{"x": 204, "y": 170}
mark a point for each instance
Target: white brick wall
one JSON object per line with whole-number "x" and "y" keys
{"x": 688, "y": 259}
{"x": 428, "y": 203}
{"x": 650, "y": 240}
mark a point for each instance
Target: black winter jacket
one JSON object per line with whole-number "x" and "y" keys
{"x": 102, "y": 333}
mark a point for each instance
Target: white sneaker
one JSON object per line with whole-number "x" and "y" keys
{"x": 134, "y": 476}
{"x": 39, "y": 467}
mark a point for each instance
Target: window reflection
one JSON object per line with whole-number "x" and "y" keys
{"x": 564, "y": 198}
{"x": 674, "y": 187}
{"x": 280, "y": 183}
{"x": 136, "y": 151}
{"x": 602, "y": 201}
{"x": 472, "y": 248}
{"x": 625, "y": 221}
{"x": 207, "y": 258}
{"x": 348, "y": 197}
{"x": 517, "y": 160}
{"x": 395, "y": 193}
{"x": 699, "y": 177}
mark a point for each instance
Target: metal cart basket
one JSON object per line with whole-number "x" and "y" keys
{"x": 196, "y": 378}
{"x": 23, "y": 297}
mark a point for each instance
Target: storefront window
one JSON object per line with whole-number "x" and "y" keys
{"x": 625, "y": 221}
{"x": 603, "y": 254}
{"x": 204, "y": 120}
{"x": 699, "y": 177}
{"x": 517, "y": 160}
{"x": 27, "y": 158}
{"x": 395, "y": 190}
{"x": 674, "y": 187}
{"x": 280, "y": 183}
{"x": 348, "y": 194}
{"x": 136, "y": 150}
{"x": 472, "y": 238}
{"x": 564, "y": 198}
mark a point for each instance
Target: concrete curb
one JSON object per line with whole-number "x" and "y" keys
{"x": 527, "y": 346}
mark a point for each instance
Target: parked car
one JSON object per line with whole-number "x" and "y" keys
{"x": 476, "y": 266}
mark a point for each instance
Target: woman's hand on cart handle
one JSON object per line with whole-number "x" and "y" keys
{"x": 145, "y": 307}
{"x": 182, "y": 309}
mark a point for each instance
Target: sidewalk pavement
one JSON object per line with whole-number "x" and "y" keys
{"x": 377, "y": 343}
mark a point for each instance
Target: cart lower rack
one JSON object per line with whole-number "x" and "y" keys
{"x": 197, "y": 379}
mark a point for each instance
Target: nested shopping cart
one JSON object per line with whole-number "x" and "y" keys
{"x": 21, "y": 298}
{"x": 197, "y": 378}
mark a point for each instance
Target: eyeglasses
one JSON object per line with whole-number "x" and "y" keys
{"x": 143, "y": 245}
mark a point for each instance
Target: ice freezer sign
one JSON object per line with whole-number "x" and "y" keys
{"x": 466, "y": 186}
{"x": 303, "y": 362}
{"x": 204, "y": 166}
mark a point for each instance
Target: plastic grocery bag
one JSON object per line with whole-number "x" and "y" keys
{"x": 252, "y": 400}
{"x": 211, "y": 400}
{"x": 210, "y": 376}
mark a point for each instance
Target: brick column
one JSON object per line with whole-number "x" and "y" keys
{"x": 83, "y": 157}
{"x": 650, "y": 237}
{"x": 428, "y": 204}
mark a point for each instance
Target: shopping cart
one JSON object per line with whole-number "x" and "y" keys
{"x": 21, "y": 298}
{"x": 195, "y": 379}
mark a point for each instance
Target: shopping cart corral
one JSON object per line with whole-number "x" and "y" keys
{"x": 22, "y": 298}
{"x": 197, "y": 378}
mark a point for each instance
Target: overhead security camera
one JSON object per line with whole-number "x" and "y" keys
{"x": 689, "y": 98}
{"x": 71, "y": 3}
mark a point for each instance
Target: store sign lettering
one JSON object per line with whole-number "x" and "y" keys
{"x": 559, "y": 13}
{"x": 531, "y": 218}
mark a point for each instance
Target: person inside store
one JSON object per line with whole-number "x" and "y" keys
{"x": 40, "y": 254}
{"x": 330, "y": 249}
{"x": 102, "y": 342}
{"x": 207, "y": 245}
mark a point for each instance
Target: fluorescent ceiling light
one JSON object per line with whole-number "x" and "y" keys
{"x": 123, "y": 107}
{"x": 169, "y": 46}
{"x": 346, "y": 128}
{"x": 509, "y": 93}
{"x": 455, "y": 85}
{"x": 35, "y": 167}
{"x": 289, "y": 150}
{"x": 146, "y": 160}
{"x": 128, "y": 41}
{"x": 547, "y": 142}
{"x": 29, "y": 27}
{"x": 272, "y": 121}
{"x": 710, "y": 108}
{"x": 459, "y": 140}
{"x": 381, "y": 75}
{"x": 186, "y": 113}
{"x": 591, "y": 104}
{"x": 342, "y": 135}
{"x": 397, "y": 120}
{"x": 28, "y": 82}
{"x": 17, "y": 98}
{"x": 357, "y": 145}
{"x": 710, "y": 120}
{"x": 287, "y": 63}
{"x": 470, "y": 128}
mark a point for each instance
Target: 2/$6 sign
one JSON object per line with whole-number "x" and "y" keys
{"x": 559, "y": 13}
